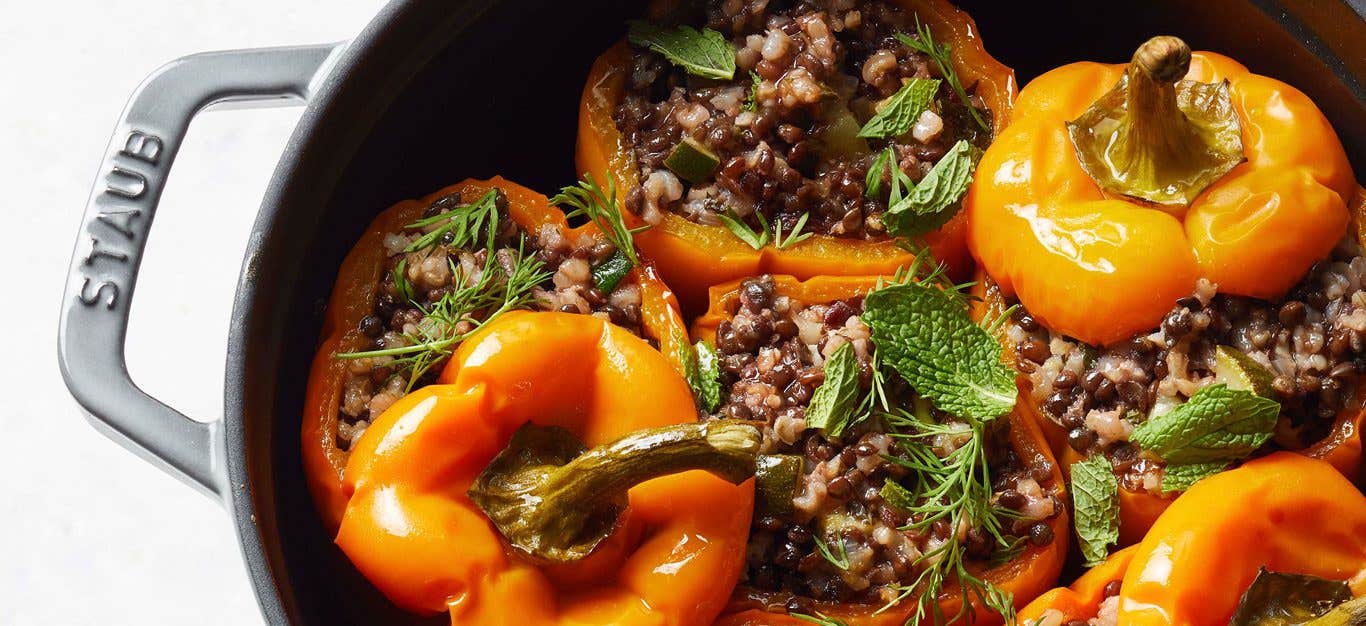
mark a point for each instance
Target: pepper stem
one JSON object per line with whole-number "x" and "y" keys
{"x": 1156, "y": 137}
{"x": 556, "y": 501}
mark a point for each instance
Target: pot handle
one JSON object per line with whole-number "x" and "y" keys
{"x": 118, "y": 216}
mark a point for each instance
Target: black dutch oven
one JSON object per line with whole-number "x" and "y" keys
{"x": 435, "y": 91}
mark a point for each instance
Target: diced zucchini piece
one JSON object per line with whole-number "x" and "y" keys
{"x": 775, "y": 483}
{"x": 692, "y": 161}
{"x": 608, "y": 274}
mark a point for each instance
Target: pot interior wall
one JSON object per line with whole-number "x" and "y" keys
{"x": 500, "y": 97}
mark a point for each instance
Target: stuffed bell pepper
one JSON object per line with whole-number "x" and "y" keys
{"x": 898, "y": 486}
{"x": 807, "y": 138}
{"x": 1279, "y": 540}
{"x": 546, "y": 478}
{"x": 427, "y": 273}
{"x": 1176, "y": 239}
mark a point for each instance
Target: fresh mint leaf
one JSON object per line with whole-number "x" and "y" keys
{"x": 756, "y": 239}
{"x": 900, "y": 112}
{"x": 701, "y": 370}
{"x": 936, "y": 199}
{"x": 1095, "y": 496}
{"x": 925, "y": 334}
{"x": 1182, "y": 477}
{"x": 1217, "y": 424}
{"x": 835, "y": 400}
{"x": 942, "y": 56}
{"x": 704, "y": 53}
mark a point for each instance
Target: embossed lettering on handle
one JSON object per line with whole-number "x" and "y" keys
{"x": 114, "y": 233}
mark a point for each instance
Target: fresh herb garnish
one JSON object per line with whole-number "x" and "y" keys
{"x": 1095, "y": 496}
{"x": 472, "y": 302}
{"x": 472, "y": 225}
{"x": 1217, "y": 425}
{"x": 702, "y": 371}
{"x": 941, "y": 55}
{"x": 1182, "y": 477}
{"x": 935, "y": 200}
{"x": 401, "y": 284}
{"x": 793, "y": 238}
{"x": 886, "y": 161}
{"x": 1009, "y": 552}
{"x": 756, "y": 239}
{"x": 840, "y": 560}
{"x": 819, "y": 619}
{"x": 704, "y": 53}
{"x": 957, "y": 490}
{"x": 752, "y": 99}
{"x": 900, "y": 112}
{"x": 589, "y": 200}
{"x": 836, "y": 399}
{"x": 610, "y": 272}
{"x": 924, "y": 332}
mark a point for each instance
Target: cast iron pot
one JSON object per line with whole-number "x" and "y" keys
{"x": 432, "y": 92}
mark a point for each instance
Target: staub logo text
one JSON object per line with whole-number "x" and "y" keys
{"x": 117, "y": 226}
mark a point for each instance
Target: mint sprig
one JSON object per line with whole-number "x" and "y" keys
{"x": 925, "y": 334}
{"x": 936, "y": 198}
{"x": 1095, "y": 496}
{"x": 704, "y": 53}
{"x": 900, "y": 112}
{"x": 1182, "y": 477}
{"x": 836, "y": 399}
{"x": 1217, "y": 425}
{"x": 942, "y": 56}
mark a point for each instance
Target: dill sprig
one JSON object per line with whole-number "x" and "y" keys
{"x": 954, "y": 489}
{"x": 590, "y": 200}
{"x": 940, "y": 54}
{"x": 840, "y": 560}
{"x": 475, "y": 301}
{"x": 472, "y": 225}
{"x": 820, "y": 619}
{"x": 475, "y": 298}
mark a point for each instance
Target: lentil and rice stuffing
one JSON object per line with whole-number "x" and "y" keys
{"x": 771, "y": 355}
{"x": 815, "y": 70}
{"x": 435, "y": 271}
{"x": 1312, "y": 342}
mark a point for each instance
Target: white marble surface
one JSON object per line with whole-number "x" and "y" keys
{"x": 90, "y": 534}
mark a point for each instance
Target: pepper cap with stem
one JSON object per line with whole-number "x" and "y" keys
{"x": 556, "y": 500}
{"x": 1156, "y": 137}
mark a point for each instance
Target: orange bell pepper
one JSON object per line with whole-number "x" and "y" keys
{"x": 692, "y": 257}
{"x": 1025, "y": 577}
{"x": 1080, "y": 600}
{"x": 1101, "y": 268}
{"x": 412, "y": 530}
{"x": 1284, "y": 512}
{"x": 353, "y": 298}
{"x": 1341, "y": 448}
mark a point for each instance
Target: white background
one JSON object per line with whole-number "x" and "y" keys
{"x": 90, "y": 534}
